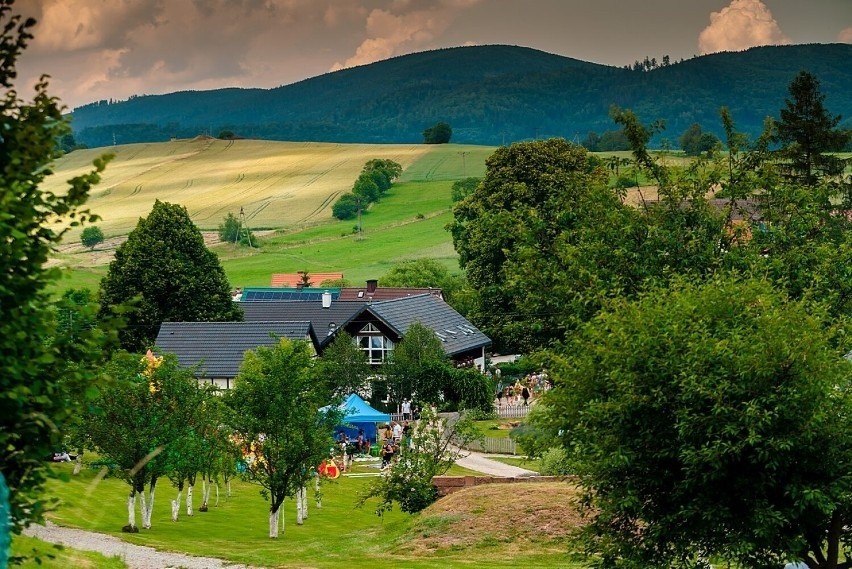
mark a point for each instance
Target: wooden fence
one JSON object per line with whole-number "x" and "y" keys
{"x": 494, "y": 445}
{"x": 511, "y": 411}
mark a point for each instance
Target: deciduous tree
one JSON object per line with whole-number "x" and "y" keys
{"x": 438, "y": 134}
{"x": 165, "y": 263}
{"x": 43, "y": 381}
{"x": 91, "y": 237}
{"x": 276, "y": 412}
{"x": 708, "y": 421}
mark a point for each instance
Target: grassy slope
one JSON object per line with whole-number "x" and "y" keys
{"x": 339, "y": 533}
{"x": 320, "y": 243}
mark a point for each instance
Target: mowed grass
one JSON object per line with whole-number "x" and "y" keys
{"x": 337, "y": 535}
{"x": 47, "y": 556}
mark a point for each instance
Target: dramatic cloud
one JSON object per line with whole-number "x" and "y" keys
{"x": 405, "y": 26}
{"x": 743, "y": 24}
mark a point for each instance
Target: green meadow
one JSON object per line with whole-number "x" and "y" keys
{"x": 337, "y": 535}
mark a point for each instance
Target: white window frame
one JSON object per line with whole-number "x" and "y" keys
{"x": 375, "y": 345}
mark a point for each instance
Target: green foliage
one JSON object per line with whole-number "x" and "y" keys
{"x": 694, "y": 141}
{"x": 463, "y": 188}
{"x": 346, "y": 206}
{"x": 150, "y": 405}
{"x": 91, "y": 236}
{"x": 343, "y": 366}
{"x": 418, "y": 365}
{"x": 541, "y": 221}
{"x": 416, "y": 273}
{"x": 165, "y": 264}
{"x": 232, "y": 231}
{"x": 226, "y": 134}
{"x": 366, "y": 189}
{"x": 808, "y": 132}
{"x": 609, "y": 141}
{"x": 275, "y": 403}
{"x": 46, "y": 374}
{"x": 554, "y": 462}
{"x": 435, "y": 446}
{"x": 390, "y": 169}
{"x": 468, "y": 388}
{"x": 708, "y": 420}
{"x": 438, "y": 134}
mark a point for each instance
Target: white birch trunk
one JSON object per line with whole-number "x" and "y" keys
{"x": 273, "y": 523}
{"x": 205, "y": 494}
{"x": 304, "y": 494}
{"x": 147, "y": 508}
{"x": 78, "y": 465}
{"x": 299, "y": 513}
{"x": 176, "y": 507}
{"x": 228, "y": 489}
{"x": 317, "y": 493}
{"x": 281, "y": 510}
{"x": 189, "y": 500}
{"x": 217, "y": 494}
{"x": 131, "y": 510}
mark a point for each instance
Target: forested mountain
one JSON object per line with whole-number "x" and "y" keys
{"x": 488, "y": 94}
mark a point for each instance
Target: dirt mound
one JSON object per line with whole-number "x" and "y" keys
{"x": 521, "y": 516}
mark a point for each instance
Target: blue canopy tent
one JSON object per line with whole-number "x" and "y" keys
{"x": 359, "y": 415}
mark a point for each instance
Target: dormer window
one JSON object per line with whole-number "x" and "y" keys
{"x": 374, "y": 344}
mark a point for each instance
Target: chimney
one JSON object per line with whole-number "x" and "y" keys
{"x": 371, "y": 285}
{"x": 326, "y": 299}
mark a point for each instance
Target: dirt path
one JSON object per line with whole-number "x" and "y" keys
{"x": 135, "y": 556}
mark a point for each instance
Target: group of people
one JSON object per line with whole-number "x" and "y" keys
{"x": 522, "y": 392}
{"x": 395, "y": 436}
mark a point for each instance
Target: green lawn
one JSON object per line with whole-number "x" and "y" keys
{"x": 337, "y": 535}
{"x": 51, "y": 556}
{"x": 528, "y": 463}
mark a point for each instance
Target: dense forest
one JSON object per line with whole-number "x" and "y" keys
{"x": 488, "y": 94}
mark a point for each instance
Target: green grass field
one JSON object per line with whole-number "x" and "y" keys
{"x": 337, "y": 535}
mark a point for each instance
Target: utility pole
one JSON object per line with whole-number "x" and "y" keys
{"x": 464, "y": 164}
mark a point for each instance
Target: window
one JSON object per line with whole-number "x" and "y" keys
{"x": 374, "y": 344}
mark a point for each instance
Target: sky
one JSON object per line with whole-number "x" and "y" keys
{"x": 112, "y": 49}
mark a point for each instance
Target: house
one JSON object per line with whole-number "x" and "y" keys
{"x": 377, "y": 326}
{"x": 216, "y": 349}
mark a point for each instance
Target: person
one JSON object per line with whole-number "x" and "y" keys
{"x": 406, "y": 435}
{"x": 499, "y": 397}
{"x": 397, "y": 432}
{"x": 525, "y": 394}
{"x": 387, "y": 453}
{"x": 406, "y": 410}
{"x": 415, "y": 413}
{"x": 388, "y": 434}
{"x": 363, "y": 443}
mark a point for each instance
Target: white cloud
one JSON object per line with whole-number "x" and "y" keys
{"x": 743, "y": 24}
{"x": 404, "y": 26}
{"x": 845, "y": 36}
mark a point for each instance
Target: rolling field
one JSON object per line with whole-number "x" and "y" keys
{"x": 285, "y": 187}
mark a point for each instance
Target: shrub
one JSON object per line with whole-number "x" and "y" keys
{"x": 554, "y": 462}
{"x": 346, "y": 207}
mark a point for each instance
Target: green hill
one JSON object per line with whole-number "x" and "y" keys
{"x": 489, "y": 95}
{"x": 286, "y": 191}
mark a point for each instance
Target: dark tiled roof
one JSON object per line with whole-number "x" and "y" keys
{"x": 220, "y": 346}
{"x": 386, "y": 293}
{"x": 339, "y": 313}
{"x": 457, "y": 334}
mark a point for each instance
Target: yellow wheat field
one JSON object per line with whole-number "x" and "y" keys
{"x": 277, "y": 184}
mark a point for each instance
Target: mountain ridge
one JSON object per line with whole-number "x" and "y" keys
{"x": 488, "y": 94}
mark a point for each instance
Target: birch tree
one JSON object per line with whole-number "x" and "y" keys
{"x": 147, "y": 408}
{"x": 276, "y": 405}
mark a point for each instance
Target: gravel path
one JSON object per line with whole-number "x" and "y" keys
{"x": 481, "y": 463}
{"x": 135, "y": 556}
